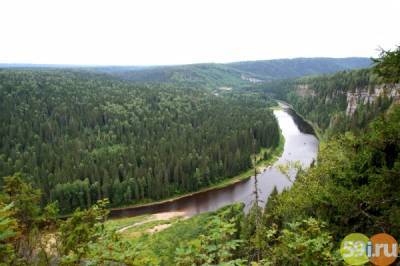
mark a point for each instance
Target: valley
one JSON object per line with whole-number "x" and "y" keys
{"x": 199, "y": 133}
{"x": 155, "y": 166}
{"x": 299, "y": 147}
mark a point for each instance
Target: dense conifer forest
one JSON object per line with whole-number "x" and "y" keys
{"x": 323, "y": 100}
{"x": 279, "y": 69}
{"x": 65, "y": 144}
{"x": 83, "y": 137}
{"x": 199, "y": 133}
{"x": 235, "y": 74}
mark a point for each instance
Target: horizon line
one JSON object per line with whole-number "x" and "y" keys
{"x": 72, "y": 65}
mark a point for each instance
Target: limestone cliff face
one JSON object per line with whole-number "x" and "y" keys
{"x": 361, "y": 95}
{"x": 370, "y": 95}
{"x": 304, "y": 90}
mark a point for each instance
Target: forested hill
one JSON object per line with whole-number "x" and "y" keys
{"x": 206, "y": 75}
{"x": 353, "y": 187}
{"x": 240, "y": 73}
{"x": 338, "y": 102}
{"x": 213, "y": 76}
{"x": 298, "y": 67}
{"x": 81, "y": 138}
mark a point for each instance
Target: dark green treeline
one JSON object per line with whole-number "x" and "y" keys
{"x": 81, "y": 137}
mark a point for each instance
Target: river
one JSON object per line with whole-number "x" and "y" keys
{"x": 301, "y": 146}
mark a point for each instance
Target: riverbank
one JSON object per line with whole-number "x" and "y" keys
{"x": 261, "y": 166}
{"x": 299, "y": 146}
{"x": 317, "y": 131}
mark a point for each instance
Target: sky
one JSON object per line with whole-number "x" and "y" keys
{"x": 159, "y": 32}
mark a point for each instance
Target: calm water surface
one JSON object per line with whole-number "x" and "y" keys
{"x": 300, "y": 146}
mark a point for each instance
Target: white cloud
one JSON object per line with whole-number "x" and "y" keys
{"x": 190, "y": 31}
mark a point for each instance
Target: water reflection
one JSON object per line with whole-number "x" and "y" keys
{"x": 300, "y": 146}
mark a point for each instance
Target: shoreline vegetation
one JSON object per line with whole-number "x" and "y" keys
{"x": 317, "y": 130}
{"x": 261, "y": 166}
{"x": 88, "y": 137}
{"x": 136, "y": 144}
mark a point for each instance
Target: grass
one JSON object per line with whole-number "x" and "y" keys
{"x": 162, "y": 245}
{"x": 140, "y": 224}
{"x": 116, "y": 224}
{"x": 137, "y": 231}
{"x": 146, "y": 223}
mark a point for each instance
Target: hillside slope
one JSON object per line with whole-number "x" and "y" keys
{"x": 83, "y": 137}
{"x": 347, "y": 100}
{"x": 298, "y": 67}
{"x": 239, "y": 73}
{"x": 205, "y": 75}
{"x": 214, "y": 76}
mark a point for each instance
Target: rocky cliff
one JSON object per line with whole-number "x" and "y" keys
{"x": 370, "y": 95}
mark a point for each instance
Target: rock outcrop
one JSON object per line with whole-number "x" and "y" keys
{"x": 370, "y": 95}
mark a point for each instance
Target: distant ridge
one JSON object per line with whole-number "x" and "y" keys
{"x": 297, "y": 67}
{"x": 213, "y": 75}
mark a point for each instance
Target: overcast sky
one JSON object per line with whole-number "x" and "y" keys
{"x": 146, "y": 32}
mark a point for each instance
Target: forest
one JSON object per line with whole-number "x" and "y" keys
{"x": 342, "y": 194}
{"x": 353, "y": 186}
{"x": 323, "y": 100}
{"x": 83, "y": 137}
{"x": 212, "y": 75}
{"x": 279, "y": 69}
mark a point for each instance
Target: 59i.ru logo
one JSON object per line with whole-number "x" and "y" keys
{"x": 381, "y": 249}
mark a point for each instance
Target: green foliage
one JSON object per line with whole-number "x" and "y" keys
{"x": 387, "y": 66}
{"x": 80, "y": 229}
{"x": 217, "y": 247}
{"x": 82, "y": 137}
{"x": 292, "y": 68}
{"x": 323, "y": 100}
{"x": 113, "y": 249}
{"x": 163, "y": 245}
{"x": 85, "y": 239}
{"x": 27, "y": 222}
{"x": 209, "y": 76}
{"x": 250, "y": 233}
{"x": 183, "y": 236}
{"x": 342, "y": 194}
{"x": 25, "y": 201}
{"x": 116, "y": 224}
{"x": 354, "y": 185}
{"x": 8, "y": 232}
{"x": 301, "y": 243}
